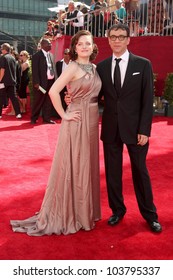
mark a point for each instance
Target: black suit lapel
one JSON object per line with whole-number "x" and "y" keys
{"x": 43, "y": 59}
{"x": 108, "y": 72}
{"x": 129, "y": 71}
{"x": 61, "y": 67}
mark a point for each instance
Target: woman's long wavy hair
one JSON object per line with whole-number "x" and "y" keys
{"x": 74, "y": 41}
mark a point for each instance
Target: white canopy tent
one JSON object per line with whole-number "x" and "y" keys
{"x": 58, "y": 8}
{"x": 63, "y": 6}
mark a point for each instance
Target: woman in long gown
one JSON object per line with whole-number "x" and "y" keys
{"x": 72, "y": 197}
{"x": 24, "y": 58}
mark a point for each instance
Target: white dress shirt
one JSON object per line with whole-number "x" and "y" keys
{"x": 49, "y": 65}
{"x": 64, "y": 65}
{"x": 80, "y": 18}
{"x": 122, "y": 64}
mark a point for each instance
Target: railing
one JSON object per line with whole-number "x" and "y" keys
{"x": 145, "y": 18}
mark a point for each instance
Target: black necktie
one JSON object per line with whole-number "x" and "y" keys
{"x": 117, "y": 76}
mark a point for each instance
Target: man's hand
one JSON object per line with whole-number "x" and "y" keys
{"x": 142, "y": 139}
{"x": 67, "y": 98}
{"x": 36, "y": 86}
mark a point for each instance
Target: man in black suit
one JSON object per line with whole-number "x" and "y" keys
{"x": 43, "y": 77}
{"x": 60, "y": 66}
{"x": 8, "y": 79}
{"x": 127, "y": 119}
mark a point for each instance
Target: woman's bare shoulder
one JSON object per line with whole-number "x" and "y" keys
{"x": 73, "y": 65}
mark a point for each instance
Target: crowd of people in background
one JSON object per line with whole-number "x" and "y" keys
{"x": 17, "y": 70}
{"x": 142, "y": 16}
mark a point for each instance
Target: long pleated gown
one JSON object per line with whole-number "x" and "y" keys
{"x": 72, "y": 196}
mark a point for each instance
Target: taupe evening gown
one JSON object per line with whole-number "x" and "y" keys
{"x": 72, "y": 197}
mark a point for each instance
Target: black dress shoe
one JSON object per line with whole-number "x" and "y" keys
{"x": 33, "y": 122}
{"x": 50, "y": 121}
{"x": 155, "y": 226}
{"x": 114, "y": 219}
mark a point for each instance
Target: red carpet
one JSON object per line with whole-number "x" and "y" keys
{"x": 26, "y": 155}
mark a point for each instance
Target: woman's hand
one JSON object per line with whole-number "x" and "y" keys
{"x": 72, "y": 116}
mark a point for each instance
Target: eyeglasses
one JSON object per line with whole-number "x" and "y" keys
{"x": 21, "y": 55}
{"x": 66, "y": 53}
{"x": 120, "y": 37}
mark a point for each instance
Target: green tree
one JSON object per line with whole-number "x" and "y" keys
{"x": 168, "y": 89}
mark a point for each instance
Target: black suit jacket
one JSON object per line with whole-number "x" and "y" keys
{"x": 130, "y": 112}
{"x": 59, "y": 67}
{"x": 39, "y": 69}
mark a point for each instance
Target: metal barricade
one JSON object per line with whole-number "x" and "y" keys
{"x": 144, "y": 17}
